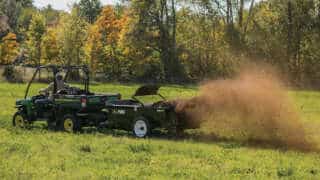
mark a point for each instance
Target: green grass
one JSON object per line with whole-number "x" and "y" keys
{"x": 41, "y": 154}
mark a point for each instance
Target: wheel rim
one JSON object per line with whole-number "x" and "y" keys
{"x": 140, "y": 128}
{"x": 68, "y": 125}
{"x": 19, "y": 121}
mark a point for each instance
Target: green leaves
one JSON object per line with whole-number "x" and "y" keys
{"x": 71, "y": 38}
{"x": 35, "y": 33}
{"x": 90, "y": 9}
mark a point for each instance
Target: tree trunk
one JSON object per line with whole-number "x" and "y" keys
{"x": 173, "y": 48}
{"x": 39, "y": 57}
{"x": 289, "y": 31}
{"x": 166, "y": 42}
{"x": 228, "y": 12}
{"x": 240, "y": 14}
{"x": 240, "y": 21}
{"x": 174, "y": 27}
{"x": 249, "y": 17}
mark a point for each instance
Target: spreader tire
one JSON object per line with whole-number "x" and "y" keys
{"x": 141, "y": 127}
{"x": 19, "y": 120}
{"x": 69, "y": 124}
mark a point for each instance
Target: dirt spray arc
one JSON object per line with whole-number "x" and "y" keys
{"x": 253, "y": 106}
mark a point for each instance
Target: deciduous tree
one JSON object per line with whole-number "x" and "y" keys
{"x": 94, "y": 49}
{"x": 35, "y": 33}
{"x": 153, "y": 29}
{"x": 90, "y": 9}
{"x": 9, "y": 48}
{"x": 49, "y": 47}
{"x": 71, "y": 38}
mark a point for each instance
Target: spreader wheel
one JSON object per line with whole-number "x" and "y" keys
{"x": 141, "y": 127}
{"x": 19, "y": 120}
{"x": 69, "y": 124}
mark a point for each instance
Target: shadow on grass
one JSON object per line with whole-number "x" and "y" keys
{"x": 196, "y": 137}
{"x": 211, "y": 138}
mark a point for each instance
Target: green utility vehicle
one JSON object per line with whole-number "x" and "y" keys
{"x": 72, "y": 108}
{"x": 65, "y": 109}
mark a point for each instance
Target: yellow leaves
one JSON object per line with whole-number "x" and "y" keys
{"x": 9, "y": 36}
{"x": 266, "y": 16}
{"x": 110, "y": 25}
{"x": 9, "y": 48}
{"x": 93, "y": 47}
{"x": 49, "y": 45}
{"x": 37, "y": 27}
{"x": 103, "y": 37}
{"x": 36, "y": 30}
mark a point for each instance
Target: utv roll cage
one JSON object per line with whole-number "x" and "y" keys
{"x": 55, "y": 70}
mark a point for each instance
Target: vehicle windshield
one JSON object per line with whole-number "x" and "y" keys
{"x": 42, "y": 79}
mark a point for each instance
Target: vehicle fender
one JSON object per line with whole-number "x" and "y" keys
{"x": 152, "y": 122}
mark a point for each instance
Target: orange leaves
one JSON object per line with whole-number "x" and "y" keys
{"x": 103, "y": 38}
{"x": 110, "y": 25}
{"x": 9, "y": 48}
{"x": 10, "y": 36}
{"x": 94, "y": 47}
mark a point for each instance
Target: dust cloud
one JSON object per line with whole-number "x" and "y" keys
{"x": 253, "y": 106}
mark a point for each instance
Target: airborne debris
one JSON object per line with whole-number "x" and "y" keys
{"x": 253, "y": 106}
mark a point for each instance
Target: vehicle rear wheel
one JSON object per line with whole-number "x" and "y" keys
{"x": 52, "y": 125}
{"x": 19, "y": 120}
{"x": 69, "y": 124}
{"x": 141, "y": 127}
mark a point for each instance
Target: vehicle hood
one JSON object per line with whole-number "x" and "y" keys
{"x": 23, "y": 101}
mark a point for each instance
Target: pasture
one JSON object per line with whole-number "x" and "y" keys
{"x": 41, "y": 154}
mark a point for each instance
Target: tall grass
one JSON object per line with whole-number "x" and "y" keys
{"x": 41, "y": 154}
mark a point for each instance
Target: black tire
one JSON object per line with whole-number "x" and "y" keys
{"x": 69, "y": 124}
{"x": 141, "y": 127}
{"x": 52, "y": 126}
{"x": 19, "y": 120}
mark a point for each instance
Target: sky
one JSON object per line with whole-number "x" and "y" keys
{"x": 64, "y": 4}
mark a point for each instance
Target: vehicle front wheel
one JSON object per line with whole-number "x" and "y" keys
{"x": 141, "y": 127}
{"x": 19, "y": 120}
{"x": 69, "y": 124}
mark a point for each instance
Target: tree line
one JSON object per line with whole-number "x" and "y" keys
{"x": 166, "y": 40}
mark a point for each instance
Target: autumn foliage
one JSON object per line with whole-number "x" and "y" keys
{"x": 167, "y": 41}
{"x": 9, "y": 48}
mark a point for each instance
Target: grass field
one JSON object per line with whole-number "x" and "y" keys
{"x": 40, "y": 154}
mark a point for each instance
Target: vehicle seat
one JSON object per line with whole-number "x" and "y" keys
{"x": 43, "y": 101}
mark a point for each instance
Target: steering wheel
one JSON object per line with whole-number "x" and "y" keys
{"x": 43, "y": 93}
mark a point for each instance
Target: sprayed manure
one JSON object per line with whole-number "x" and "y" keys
{"x": 254, "y": 106}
